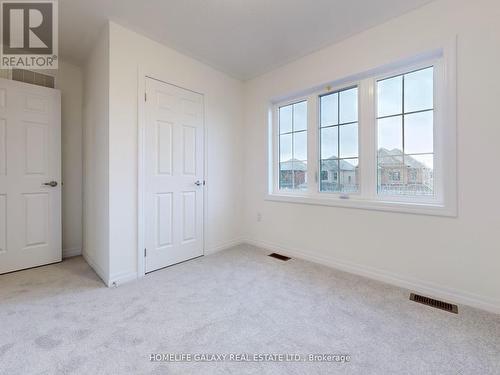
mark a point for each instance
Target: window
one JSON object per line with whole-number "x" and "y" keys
{"x": 382, "y": 140}
{"x": 395, "y": 176}
{"x": 293, "y": 146}
{"x": 339, "y": 140}
{"x": 405, "y": 117}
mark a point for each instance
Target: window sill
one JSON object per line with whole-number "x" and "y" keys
{"x": 357, "y": 203}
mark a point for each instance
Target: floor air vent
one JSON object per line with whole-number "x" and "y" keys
{"x": 434, "y": 303}
{"x": 279, "y": 256}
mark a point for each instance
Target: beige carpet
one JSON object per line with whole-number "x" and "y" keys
{"x": 60, "y": 319}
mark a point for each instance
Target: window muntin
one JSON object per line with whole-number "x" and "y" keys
{"x": 405, "y": 139}
{"x": 338, "y": 127}
{"x": 292, "y": 120}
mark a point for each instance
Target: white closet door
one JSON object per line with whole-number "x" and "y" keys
{"x": 174, "y": 186}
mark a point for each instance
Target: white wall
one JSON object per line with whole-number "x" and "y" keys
{"x": 223, "y": 120}
{"x": 69, "y": 79}
{"x": 456, "y": 258}
{"x": 96, "y": 157}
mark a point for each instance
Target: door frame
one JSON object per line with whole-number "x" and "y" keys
{"x": 144, "y": 74}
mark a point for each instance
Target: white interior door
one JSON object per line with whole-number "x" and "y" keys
{"x": 30, "y": 168}
{"x": 174, "y": 172}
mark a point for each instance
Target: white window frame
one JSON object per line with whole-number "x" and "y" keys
{"x": 444, "y": 200}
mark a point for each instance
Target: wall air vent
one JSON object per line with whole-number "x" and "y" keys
{"x": 33, "y": 78}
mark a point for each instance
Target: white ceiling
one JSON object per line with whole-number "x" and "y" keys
{"x": 243, "y": 38}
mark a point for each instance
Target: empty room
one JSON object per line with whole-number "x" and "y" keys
{"x": 250, "y": 187}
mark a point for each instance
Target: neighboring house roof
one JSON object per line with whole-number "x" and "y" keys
{"x": 331, "y": 164}
{"x": 394, "y": 157}
{"x": 387, "y": 158}
{"x": 293, "y": 165}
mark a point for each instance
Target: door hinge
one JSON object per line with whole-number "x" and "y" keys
{"x": 145, "y": 251}
{"x": 145, "y": 97}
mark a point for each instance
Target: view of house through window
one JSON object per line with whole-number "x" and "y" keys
{"x": 339, "y": 169}
{"x": 405, "y": 113}
{"x": 293, "y": 146}
{"x": 395, "y": 158}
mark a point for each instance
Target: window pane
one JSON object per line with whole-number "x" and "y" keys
{"x": 390, "y": 133}
{"x": 349, "y": 175}
{"x": 286, "y": 175}
{"x": 329, "y": 143}
{"x": 329, "y": 109}
{"x": 419, "y": 90}
{"x": 426, "y": 161}
{"x": 409, "y": 134}
{"x": 390, "y": 96}
{"x": 414, "y": 177}
{"x": 300, "y": 146}
{"x": 419, "y": 174}
{"x": 285, "y": 147}
{"x": 349, "y": 141}
{"x": 395, "y": 154}
{"x": 300, "y": 175}
{"x": 390, "y": 175}
{"x": 300, "y": 116}
{"x": 293, "y": 146}
{"x": 329, "y": 173}
{"x": 285, "y": 119}
{"x": 419, "y": 133}
{"x": 349, "y": 105}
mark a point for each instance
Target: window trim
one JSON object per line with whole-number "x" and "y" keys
{"x": 444, "y": 201}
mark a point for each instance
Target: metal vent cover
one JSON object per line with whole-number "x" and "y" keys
{"x": 33, "y": 78}
{"x": 279, "y": 256}
{"x": 434, "y": 303}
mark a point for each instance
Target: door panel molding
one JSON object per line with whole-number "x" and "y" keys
{"x": 164, "y": 218}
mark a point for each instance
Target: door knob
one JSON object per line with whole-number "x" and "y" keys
{"x": 198, "y": 183}
{"x": 51, "y": 183}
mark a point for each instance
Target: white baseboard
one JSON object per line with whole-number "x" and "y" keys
{"x": 122, "y": 278}
{"x": 223, "y": 246}
{"x": 71, "y": 252}
{"x": 113, "y": 280}
{"x": 419, "y": 286}
{"x": 98, "y": 270}
{"x": 116, "y": 280}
